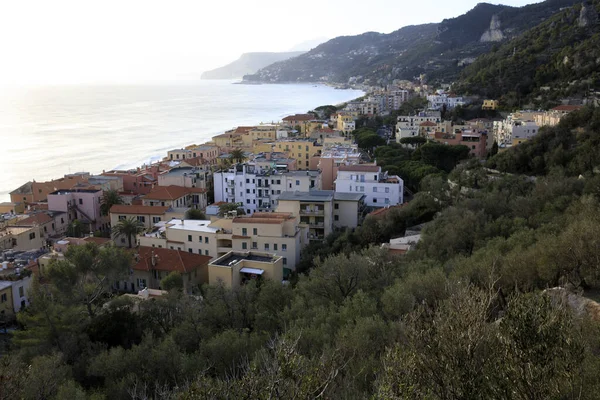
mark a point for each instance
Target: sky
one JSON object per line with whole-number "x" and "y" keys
{"x": 110, "y": 41}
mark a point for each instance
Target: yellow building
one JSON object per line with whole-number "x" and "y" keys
{"x": 236, "y": 268}
{"x": 490, "y": 105}
{"x": 314, "y": 208}
{"x": 229, "y": 140}
{"x": 345, "y": 122}
{"x": 262, "y": 146}
{"x": 6, "y": 301}
{"x": 299, "y": 150}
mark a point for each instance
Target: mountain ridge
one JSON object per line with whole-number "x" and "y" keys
{"x": 248, "y": 63}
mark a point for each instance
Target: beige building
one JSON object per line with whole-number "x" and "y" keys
{"x": 314, "y": 208}
{"x": 236, "y": 268}
{"x": 148, "y": 216}
{"x": 349, "y": 209}
{"x": 21, "y": 238}
{"x": 190, "y": 177}
{"x": 176, "y": 197}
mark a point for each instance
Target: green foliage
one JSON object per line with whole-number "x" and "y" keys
{"x": 225, "y": 208}
{"x": 237, "y": 155}
{"x": 129, "y": 228}
{"x": 109, "y": 199}
{"x": 194, "y": 213}
{"x": 367, "y": 139}
{"x": 173, "y": 281}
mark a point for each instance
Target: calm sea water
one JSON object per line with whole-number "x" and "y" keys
{"x": 46, "y": 132}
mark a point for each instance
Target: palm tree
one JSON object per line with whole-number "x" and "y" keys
{"x": 128, "y": 227}
{"x": 109, "y": 199}
{"x": 237, "y": 155}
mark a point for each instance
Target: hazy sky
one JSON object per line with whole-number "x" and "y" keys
{"x": 72, "y": 41}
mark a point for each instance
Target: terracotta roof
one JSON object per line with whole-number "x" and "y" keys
{"x": 168, "y": 260}
{"x": 143, "y": 210}
{"x": 171, "y": 192}
{"x": 35, "y": 219}
{"x": 428, "y": 123}
{"x": 359, "y": 168}
{"x": 196, "y": 161}
{"x": 397, "y": 251}
{"x": 382, "y": 212}
{"x": 227, "y": 134}
{"x": 273, "y": 215}
{"x": 566, "y": 108}
{"x": 299, "y": 117}
{"x": 243, "y": 129}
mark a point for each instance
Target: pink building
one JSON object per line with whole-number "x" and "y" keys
{"x": 79, "y": 204}
{"x": 139, "y": 180}
{"x": 475, "y": 141}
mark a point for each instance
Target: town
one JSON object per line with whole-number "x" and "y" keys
{"x": 244, "y": 205}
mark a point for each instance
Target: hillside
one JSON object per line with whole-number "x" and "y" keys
{"x": 439, "y": 50}
{"x": 248, "y": 63}
{"x": 558, "y": 58}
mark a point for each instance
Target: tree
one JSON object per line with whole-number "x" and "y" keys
{"x": 75, "y": 229}
{"x": 109, "y": 199}
{"x": 86, "y": 274}
{"x": 237, "y": 155}
{"x": 194, "y": 213}
{"x": 225, "y": 208}
{"x": 414, "y": 140}
{"x": 173, "y": 281}
{"x": 128, "y": 228}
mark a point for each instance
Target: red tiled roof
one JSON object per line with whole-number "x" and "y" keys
{"x": 196, "y": 161}
{"x": 243, "y": 129}
{"x": 171, "y": 192}
{"x": 142, "y": 210}
{"x": 249, "y": 220}
{"x": 299, "y": 117}
{"x": 359, "y": 168}
{"x": 382, "y": 212}
{"x": 98, "y": 240}
{"x": 428, "y": 123}
{"x": 167, "y": 260}
{"x": 35, "y": 219}
{"x": 566, "y": 108}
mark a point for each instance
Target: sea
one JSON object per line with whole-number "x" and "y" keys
{"x": 49, "y": 131}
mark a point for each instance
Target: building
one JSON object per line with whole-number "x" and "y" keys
{"x": 7, "y": 311}
{"x": 51, "y": 224}
{"x": 256, "y": 188}
{"x": 348, "y": 209}
{"x": 490, "y": 105}
{"x": 300, "y": 149}
{"x": 441, "y": 100}
{"x": 380, "y": 188}
{"x": 20, "y": 280}
{"x": 410, "y": 125}
{"x": 139, "y": 180}
{"x": 397, "y": 97}
{"x": 299, "y": 120}
{"x": 153, "y": 264}
{"x": 80, "y": 204}
{"x": 148, "y": 216}
{"x": 314, "y": 208}
{"x": 21, "y": 238}
{"x": 205, "y": 152}
{"x": 515, "y": 129}
{"x": 554, "y": 115}
{"x": 176, "y": 197}
{"x": 32, "y": 192}
{"x": 475, "y": 141}
{"x": 330, "y": 160}
{"x": 237, "y": 268}
{"x": 345, "y": 122}
{"x": 189, "y": 177}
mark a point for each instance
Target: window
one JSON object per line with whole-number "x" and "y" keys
{"x": 244, "y": 232}
{"x": 275, "y": 246}
{"x": 254, "y": 245}
{"x": 266, "y": 246}
{"x": 362, "y": 188}
{"x": 387, "y": 189}
{"x": 374, "y": 189}
{"x": 155, "y": 220}
{"x": 189, "y": 238}
{"x": 200, "y": 251}
{"x": 244, "y": 245}
{"x": 205, "y": 252}
{"x": 374, "y": 177}
{"x": 279, "y": 181}
{"x": 284, "y": 261}
{"x": 387, "y": 201}
{"x": 190, "y": 250}
{"x": 141, "y": 219}
{"x": 284, "y": 247}
{"x": 21, "y": 292}
{"x": 336, "y": 206}
{"x": 62, "y": 221}
{"x": 248, "y": 191}
{"x": 255, "y": 231}
{"x": 123, "y": 241}
{"x": 247, "y": 180}
{"x": 3, "y": 298}
{"x": 32, "y": 236}
{"x": 80, "y": 201}
{"x": 248, "y": 202}
{"x": 141, "y": 283}
{"x": 206, "y": 239}
{"x": 374, "y": 199}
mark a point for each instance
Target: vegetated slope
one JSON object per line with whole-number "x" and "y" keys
{"x": 248, "y": 63}
{"x": 560, "y": 57}
{"x": 439, "y": 50}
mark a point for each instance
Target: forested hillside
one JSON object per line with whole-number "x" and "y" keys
{"x": 559, "y": 58}
{"x": 464, "y": 315}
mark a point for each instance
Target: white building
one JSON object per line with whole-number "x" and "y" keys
{"x": 515, "y": 129}
{"x": 396, "y": 98}
{"x": 409, "y": 125}
{"x": 257, "y": 188}
{"x": 379, "y": 188}
{"x": 440, "y": 99}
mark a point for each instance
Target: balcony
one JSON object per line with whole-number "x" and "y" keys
{"x": 311, "y": 211}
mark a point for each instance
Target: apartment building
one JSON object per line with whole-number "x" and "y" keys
{"x": 474, "y": 140}
{"x": 301, "y": 150}
{"x": 345, "y": 122}
{"x": 553, "y": 116}
{"x": 442, "y": 100}
{"x": 205, "y": 152}
{"x": 21, "y": 238}
{"x": 190, "y": 177}
{"x": 32, "y": 192}
{"x": 349, "y": 209}
{"x": 314, "y": 208}
{"x": 300, "y": 120}
{"x": 380, "y": 188}
{"x": 409, "y": 125}
{"x": 176, "y": 197}
{"x": 515, "y": 129}
{"x": 80, "y": 204}
{"x": 145, "y": 215}
{"x": 257, "y": 188}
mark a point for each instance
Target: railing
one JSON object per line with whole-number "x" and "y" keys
{"x": 311, "y": 211}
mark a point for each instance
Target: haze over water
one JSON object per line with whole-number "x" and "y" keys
{"x": 49, "y": 131}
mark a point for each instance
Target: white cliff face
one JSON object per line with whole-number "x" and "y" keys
{"x": 494, "y": 34}
{"x": 588, "y": 15}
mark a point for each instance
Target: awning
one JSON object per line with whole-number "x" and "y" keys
{"x": 254, "y": 271}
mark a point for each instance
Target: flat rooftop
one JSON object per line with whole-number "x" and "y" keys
{"x": 313, "y": 195}
{"x": 348, "y": 196}
{"x": 234, "y": 258}
{"x": 194, "y": 225}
